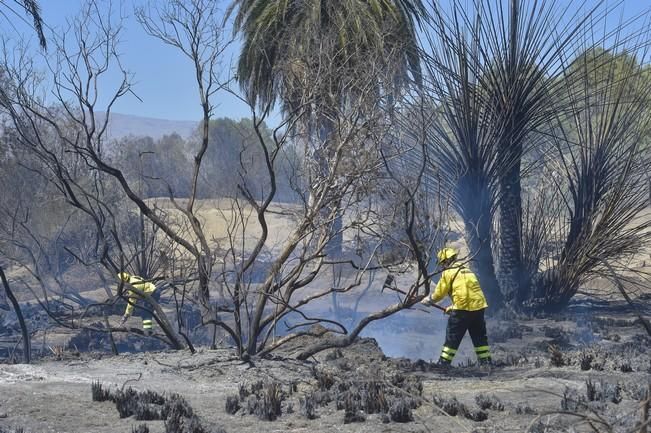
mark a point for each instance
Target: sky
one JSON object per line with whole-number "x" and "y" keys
{"x": 163, "y": 78}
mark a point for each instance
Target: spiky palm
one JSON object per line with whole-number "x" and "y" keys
{"x": 34, "y": 11}
{"x": 281, "y": 36}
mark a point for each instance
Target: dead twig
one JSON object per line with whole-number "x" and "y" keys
{"x": 130, "y": 380}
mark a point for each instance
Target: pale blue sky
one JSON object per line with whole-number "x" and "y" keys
{"x": 164, "y": 78}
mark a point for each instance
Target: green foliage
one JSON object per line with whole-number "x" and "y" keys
{"x": 155, "y": 166}
{"x": 286, "y": 40}
{"x": 235, "y": 157}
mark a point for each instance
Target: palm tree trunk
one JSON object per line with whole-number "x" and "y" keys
{"x": 478, "y": 222}
{"x": 512, "y": 277}
{"x": 479, "y": 237}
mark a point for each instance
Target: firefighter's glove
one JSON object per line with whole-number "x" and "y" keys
{"x": 448, "y": 310}
{"x": 427, "y": 301}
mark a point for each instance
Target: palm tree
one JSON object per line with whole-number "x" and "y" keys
{"x": 32, "y": 8}
{"x": 286, "y": 41}
{"x": 278, "y": 33}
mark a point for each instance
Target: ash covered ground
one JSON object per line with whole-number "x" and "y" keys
{"x": 588, "y": 366}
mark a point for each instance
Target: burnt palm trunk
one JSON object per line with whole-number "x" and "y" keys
{"x": 27, "y": 351}
{"x": 511, "y": 276}
{"x": 478, "y": 219}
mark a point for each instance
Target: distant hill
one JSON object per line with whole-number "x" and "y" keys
{"x": 123, "y": 125}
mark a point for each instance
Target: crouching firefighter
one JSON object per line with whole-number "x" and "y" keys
{"x": 147, "y": 287}
{"x": 467, "y": 309}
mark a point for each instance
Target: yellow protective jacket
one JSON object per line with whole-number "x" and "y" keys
{"x": 461, "y": 284}
{"x": 139, "y": 284}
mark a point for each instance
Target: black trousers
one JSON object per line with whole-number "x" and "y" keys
{"x": 459, "y": 322}
{"x": 147, "y": 312}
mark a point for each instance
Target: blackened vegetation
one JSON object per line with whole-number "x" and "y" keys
{"x": 142, "y": 428}
{"x": 556, "y": 357}
{"x": 395, "y": 396}
{"x": 627, "y": 357}
{"x": 232, "y": 404}
{"x": 489, "y": 401}
{"x": 508, "y": 330}
{"x": 400, "y": 411}
{"x": 392, "y": 397}
{"x": 262, "y": 399}
{"x": 99, "y": 393}
{"x": 586, "y": 361}
{"x": 88, "y": 340}
{"x": 559, "y": 337}
{"x": 626, "y": 367}
{"x": 523, "y": 409}
{"x": 603, "y": 391}
{"x": 150, "y": 405}
{"x": 454, "y": 407}
{"x": 308, "y": 406}
{"x": 596, "y": 396}
{"x": 572, "y": 400}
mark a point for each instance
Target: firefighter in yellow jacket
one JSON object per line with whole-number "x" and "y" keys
{"x": 467, "y": 309}
{"x": 144, "y": 286}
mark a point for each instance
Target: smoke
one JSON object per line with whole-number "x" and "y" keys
{"x": 413, "y": 334}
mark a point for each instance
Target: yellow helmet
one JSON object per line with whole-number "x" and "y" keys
{"x": 124, "y": 276}
{"x": 446, "y": 254}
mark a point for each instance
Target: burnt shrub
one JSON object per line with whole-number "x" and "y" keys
{"x": 590, "y": 390}
{"x": 263, "y": 399}
{"x": 515, "y": 360}
{"x": 245, "y": 390}
{"x": 126, "y": 402}
{"x": 485, "y": 401}
{"x": 99, "y": 393}
{"x": 585, "y": 361}
{"x": 374, "y": 399}
{"x": 609, "y": 322}
{"x": 509, "y": 330}
{"x": 87, "y": 340}
{"x": 270, "y": 402}
{"x": 308, "y": 406}
{"x": 556, "y": 357}
{"x": 178, "y": 424}
{"x": 175, "y": 404}
{"x": 142, "y": 428}
{"x": 325, "y": 379}
{"x": 559, "y": 336}
{"x": 572, "y": 400}
{"x": 150, "y": 405}
{"x": 400, "y": 411}
{"x": 453, "y": 407}
{"x": 626, "y": 367}
{"x": 411, "y": 384}
{"x": 252, "y": 404}
{"x": 603, "y": 391}
{"x": 232, "y": 404}
{"x": 371, "y": 396}
{"x": 474, "y": 414}
{"x": 524, "y": 409}
{"x": 353, "y": 416}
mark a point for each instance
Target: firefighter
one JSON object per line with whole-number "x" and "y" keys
{"x": 146, "y": 287}
{"x": 467, "y": 309}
